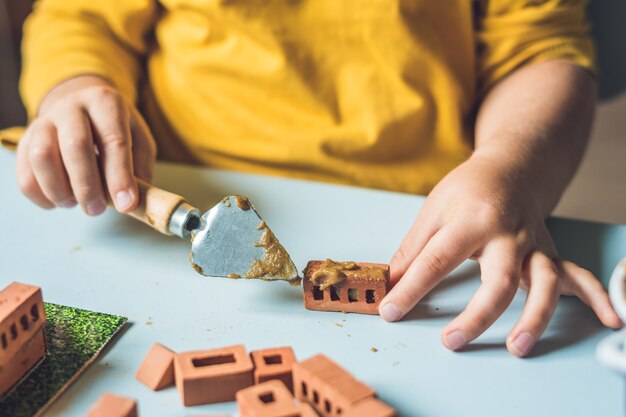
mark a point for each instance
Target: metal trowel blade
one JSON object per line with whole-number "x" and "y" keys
{"x": 233, "y": 241}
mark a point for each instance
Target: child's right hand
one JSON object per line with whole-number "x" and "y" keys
{"x": 85, "y": 137}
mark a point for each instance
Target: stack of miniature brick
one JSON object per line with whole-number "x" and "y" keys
{"x": 263, "y": 384}
{"x": 270, "y": 382}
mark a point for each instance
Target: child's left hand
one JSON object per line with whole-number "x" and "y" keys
{"x": 485, "y": 211}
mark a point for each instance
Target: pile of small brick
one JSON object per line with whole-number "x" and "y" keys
{"x": 266, "y": 383}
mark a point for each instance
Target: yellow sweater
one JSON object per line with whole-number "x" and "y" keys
{"x": 376, "y": 93}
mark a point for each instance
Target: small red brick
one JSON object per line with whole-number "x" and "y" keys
{"x": 212, "y": 376}
{"x": 157, "y": 369}
{"x": 209, "y": 415}
{"x": 275, "y": 363}
{"x": 356, "y": 293}
{"x": 22, "y": 333}
{"x": 370, "y": 407}
{"x": 298, "y": 410}
{"x": 329, "y": 388}
{"x": 112, "y": 405}
{"x": 305, "y": 410}
{"x": 268, "y": 399}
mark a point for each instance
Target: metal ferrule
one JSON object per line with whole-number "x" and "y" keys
{"x": 184, "y": 220}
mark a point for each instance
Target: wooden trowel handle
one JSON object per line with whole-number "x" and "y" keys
{"x": 156, "y": 206}
{"x": 165, "y": 212}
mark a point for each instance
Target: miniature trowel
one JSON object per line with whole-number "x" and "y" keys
{"x": 230, "y": 240}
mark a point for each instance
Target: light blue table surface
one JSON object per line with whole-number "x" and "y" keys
{"x": 117, "y": 265}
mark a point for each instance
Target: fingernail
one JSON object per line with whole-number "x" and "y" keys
{"x": 69, "y": 203}
{"x": 95, "y": 207}
{"x": 123, "y": 200}
{"x": 455, "y": 340}
{"x": 389, "y": 312}
{"x": 524, "y": 343}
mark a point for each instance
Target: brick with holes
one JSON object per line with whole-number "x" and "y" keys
{"x": 212, "y": 376}
{"x": 370, "y": 407}
{"x": 329, "y": 388}
{"x": 274, "y": 363}
{"x": 354, "y": 287}
{"x": 157, "y": 369}
{"x": 209, "y": 415}
{"x": 112, "y": 405}
{"x": 298, "y": 410}
{"x": 305, "y": 410}
{"x": 22, "y": 333}
{"x": 271, "y": 398}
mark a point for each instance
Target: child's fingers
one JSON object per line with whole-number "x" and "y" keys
{"x": 412, "y": 244}
{"x": 586, "y": 286}
{"x": 542, "y": 299}
{"x": 45, "y": 160}
{"x": 30, "y": 188}
{"x": 423, "y": 228}
{"x": 144, "y": 147}
{"x": 110, "y": 120}
{"x": 444, "y": 251}
{"x": 78, "y": 153}
{"x": 500, "y": 270}
{"x": 26, "y": 178}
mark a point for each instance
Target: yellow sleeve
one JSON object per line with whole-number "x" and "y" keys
{"x": 513, "y": 33}
{"x": 66, "y": 38}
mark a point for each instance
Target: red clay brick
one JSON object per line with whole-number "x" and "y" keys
{"x": 269, "y": 399}
{"x": 209, "y": 415}
{"x": 212, "y": 376}
{"x": 370, "y": 407}
{"x": 22, "y": 332}
{"x": 305, "y": 410}
{"x": 357, "y": 293}
{"x": 275, "y": 363}
{"x": 157, "y": 369}
{"x": 329, "y": 388}
{"x": 112, "y": 405}
{"x": 298, "y": 410}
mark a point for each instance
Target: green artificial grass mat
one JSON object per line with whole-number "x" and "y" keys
{"x": 75, "y": 338}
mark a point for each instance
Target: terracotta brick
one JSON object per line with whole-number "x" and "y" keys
{"x": 209, "y": 415}
{"x": 275, "y": 363}
{"x": 112, "y": 405}
{"x": 329, "y": 388}
{"x": 299, "y": 410}
{"x": 268, "y": 399}
{"x": 157, "y": 369}
{"x": 370, "y": 407}
{"x": 22, "y": 332}
{"x": 356, "y": 293}
{"x": 305, "y": 410}
{"x": 212, "y": 376}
